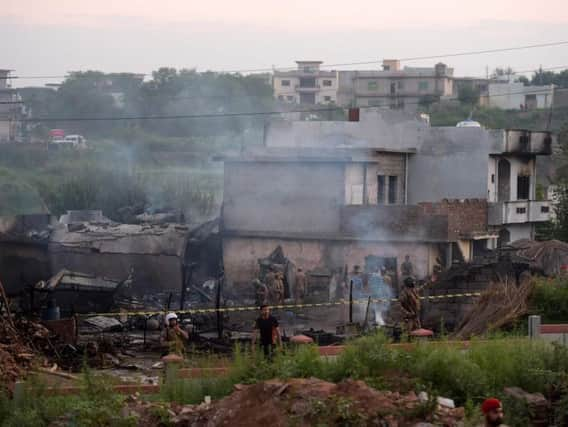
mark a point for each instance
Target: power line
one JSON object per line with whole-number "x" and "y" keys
{"x": 419, "y": 58}
{"x": 408, "y": 59}
{"x": 236, "y": 114}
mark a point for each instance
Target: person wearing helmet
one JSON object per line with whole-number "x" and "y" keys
{"x": 493, "y": 413}
{"x": 173, "y": 336}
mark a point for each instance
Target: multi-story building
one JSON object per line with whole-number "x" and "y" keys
{"x": 308, "y": 84}
{"x": 395, "y": 87}
{"x": 10, "y": 109}
{"x": 388, "y": 185}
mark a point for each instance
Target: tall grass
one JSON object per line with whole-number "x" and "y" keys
{"x": 467, "y": 376}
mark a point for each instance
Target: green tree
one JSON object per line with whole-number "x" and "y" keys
{"x": 560, "y": 222}
{"x": 468, "y": 95}
{"x": 524, "y": 80}
{"x": 500, "y": 72}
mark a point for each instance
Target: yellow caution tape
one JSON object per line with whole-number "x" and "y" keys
{"x": 277, "y": 307}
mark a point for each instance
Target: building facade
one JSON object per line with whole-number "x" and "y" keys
{"x": 517, "y": 96}
{"x": 344, "y": 193}
{"x": 308, "y": 84}
{"x": 395, "y": 87}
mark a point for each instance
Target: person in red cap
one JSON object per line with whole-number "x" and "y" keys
{"x": 493, "y": 412}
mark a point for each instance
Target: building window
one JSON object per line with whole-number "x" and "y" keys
{"x": 357, "y": 194}
{"x": 492, "y": 178}
{"x": 290, "y": 98}
{"x": 327, "y": 82}
{"x": 523, "y": 187}
{"x": 327, "y": 98}
{"x": 375, "y": 102}
{"x": 372, "y": 85}
{"x": 393, "y": 187}
{"x": 281, "y": 97}
{"x": 400, "y": 84}
{"x": 521, "y": 210}
{"x": 544, "y": 209}
{"x": 285, "y": 83}
{"x": 380, "y": 189}
{"x": 308, "y": 82}
{"x": 423, "y": 85}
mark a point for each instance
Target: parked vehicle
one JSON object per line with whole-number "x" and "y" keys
{"x": 74, "y": 141}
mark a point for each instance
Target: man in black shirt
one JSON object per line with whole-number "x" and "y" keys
{"x": 267, "y": 326}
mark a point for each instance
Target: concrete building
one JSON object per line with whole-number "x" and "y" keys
{"x": 517, "y": 96}
{"x": 337, "y": 193}
{"x": 308, "y": 84}
{"x": 10, "y": 109}
{"x": 395, "y": 87}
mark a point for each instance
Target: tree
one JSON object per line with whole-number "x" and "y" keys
{"x": 542, "y": 77}
{"x": 524, "y": 80}
{"x": 560, "y": 222}
{"x": 501, "y": 72}
{"x": 426, "y": 101}
{"x": 468, "y": 95}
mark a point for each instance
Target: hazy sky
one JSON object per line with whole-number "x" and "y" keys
{"x": 47, "y": 37}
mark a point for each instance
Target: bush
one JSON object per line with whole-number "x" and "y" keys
{"x": 367, "y": 357}
{"x": 550, "y": 299}
{"x": 96, "y": 406}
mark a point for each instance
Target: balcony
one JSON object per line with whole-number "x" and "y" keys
{"x": 528, "y": 142}
{"x": 307, "y": 89}
{"x": 519, "y": 212}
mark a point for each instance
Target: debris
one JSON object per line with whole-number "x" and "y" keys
{"x": 549, "y": 257}
{"x": 301, "y": 339}
{"x": 58, "y": 374}
{"x": 104, "y": 323}
{"x": 312, "y": 401}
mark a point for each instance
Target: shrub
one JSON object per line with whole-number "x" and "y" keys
{"x": 550, "y": 299}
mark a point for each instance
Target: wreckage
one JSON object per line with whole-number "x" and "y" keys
{"x": 89, "y": 253}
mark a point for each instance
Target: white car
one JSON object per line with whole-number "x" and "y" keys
{"x": 75, "y": 141}
{"x": 468, "y": 124}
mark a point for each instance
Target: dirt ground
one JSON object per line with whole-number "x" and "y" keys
{"x": 303, "y": 402}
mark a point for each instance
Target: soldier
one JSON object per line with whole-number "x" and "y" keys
{"x": 301, "y": 286}
{"x": 279, "y": 288}
{"x": 410, "y": 304}
{"x": 261, "y": 292}
{"x": 406, "y": 268}
{"x": 269, "y": 280}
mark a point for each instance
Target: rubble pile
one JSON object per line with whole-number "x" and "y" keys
{"x": 20, "y": 345}
{"x": 548, "y": 257}
{"x": 308, "y": 402}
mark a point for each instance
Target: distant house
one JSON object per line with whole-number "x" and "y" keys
{"x": 308, "y": 84}
{"x": 394, "y": 87}
{"x": 517, "y": 96}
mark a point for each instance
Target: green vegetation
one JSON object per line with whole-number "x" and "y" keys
{"x": 123, "y": 181}
{"x": 550, "y": 299}
{"x": 466, "y": 376}
{"x": 95, "y": 406}
{"x": 449, "y": 114}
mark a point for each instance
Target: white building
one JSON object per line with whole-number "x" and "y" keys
{"x": 517, "y": 96}
{"x": 308, "y": 84}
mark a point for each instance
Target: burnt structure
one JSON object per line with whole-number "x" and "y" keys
{"x": 388, "y": 185}
{"x": 87, "y": 252}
